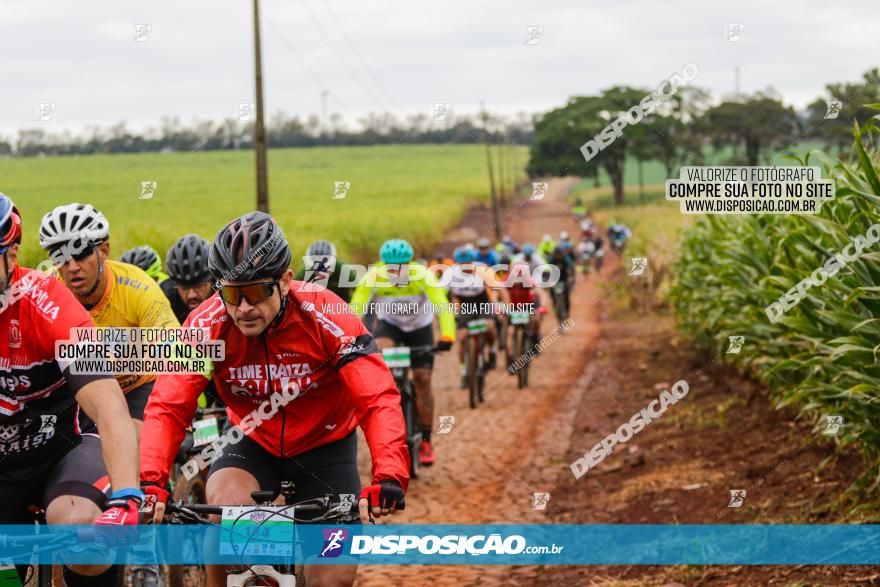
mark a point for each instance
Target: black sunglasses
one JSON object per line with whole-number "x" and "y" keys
{"x": 254, "y": 293}
{"x": 60, "y": 258}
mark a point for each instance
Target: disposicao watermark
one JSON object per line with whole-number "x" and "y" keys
{"x": 634, "y": 115}
{"x": 830, "y": 268}
{"x": 627, "y": 430}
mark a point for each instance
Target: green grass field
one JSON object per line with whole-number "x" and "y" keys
{"x": 412, "y": 191}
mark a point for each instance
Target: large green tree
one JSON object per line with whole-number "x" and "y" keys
{"x": 853, "y": 98}
{"x": 759, "y": 123}
{"x": 560, "y": 134}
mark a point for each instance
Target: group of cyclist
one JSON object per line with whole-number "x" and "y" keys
{"x": 70, "y": 444}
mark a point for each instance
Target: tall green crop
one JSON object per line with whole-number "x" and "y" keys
{"x": 822, "y": 355}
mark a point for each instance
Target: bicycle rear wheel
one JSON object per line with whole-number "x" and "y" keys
{"x": 481, "y": 369}
{"x": 523, "y": 374}
{"x": 413, "y": 437}
{"x": 471, "y": 350}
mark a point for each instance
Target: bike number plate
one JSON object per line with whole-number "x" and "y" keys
{"x": 396, "y": 357}
{"x": 257, "y": 530}
{"x": 519, "y": 318}
{"x": 8, "y": 576}
{"x": 205, "y": 431}
{"x": 477, "y": 326}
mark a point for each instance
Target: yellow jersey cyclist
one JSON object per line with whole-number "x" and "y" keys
{"x": 115, "y": 294}
{"x": 397, "y": 290}
{"x": 147, "y": 259}
{"x": 472, "y": 296}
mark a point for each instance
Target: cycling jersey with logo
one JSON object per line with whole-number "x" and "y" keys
{"x": 39, "y": 416}
{"x": 132, "y": 299}
{"x": 408, "y": 306}
{"x": 472, "y": 285}
{"x": 312, "y": 378}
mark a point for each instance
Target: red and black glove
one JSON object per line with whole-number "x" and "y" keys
{"x": 116, "y": 526}
{"x": 152, "y": 489}
{"x": 387, "y": 494}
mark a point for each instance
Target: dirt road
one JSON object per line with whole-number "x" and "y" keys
{"x": 680, "y": 469}
{"x": 497, "y": 456}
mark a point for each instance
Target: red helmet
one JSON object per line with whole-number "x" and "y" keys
{"x": 10, "y": 223}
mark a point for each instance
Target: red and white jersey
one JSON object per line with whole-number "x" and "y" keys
{"x": 320, "y": 354}
{"x": 39, "y": 416}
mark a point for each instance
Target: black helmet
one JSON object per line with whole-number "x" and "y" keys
{"x": 250, "y": 247}
{"x": 143, "y": 256}
{"x": 321, "y": 248}
{"x": 187, "y": 259}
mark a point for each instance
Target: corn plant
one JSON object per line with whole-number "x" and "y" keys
{"x": 821, "y": 357}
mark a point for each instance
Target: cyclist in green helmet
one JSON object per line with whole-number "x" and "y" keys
{"x": 147, "y": 259}
{"x": 405, "y": 308}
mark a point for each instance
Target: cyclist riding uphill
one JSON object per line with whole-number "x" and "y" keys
{"x": 190, "y": 282}
{"x": 115, "y": 294}
{"x": 485, "y": 254}
{"x": 545, "y": 247}
{"x": 473, "y": 298}
{"x": 51, "y": 456}
{"x": 404, "y": 303}
{"x": 563, "y": 261}
{"x": 321, "y": 266}
{"x": 296, "y": 382}
{"x": 147, "y": 259}
{"x": 618, "y": 234}
{"x": 530, "y": 256}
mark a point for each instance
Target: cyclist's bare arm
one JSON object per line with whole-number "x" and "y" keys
{"x": 103, "y": 402}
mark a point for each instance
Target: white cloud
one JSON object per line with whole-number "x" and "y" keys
{"x": 197, "y": 61}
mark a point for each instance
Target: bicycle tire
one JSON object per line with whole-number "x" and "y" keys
{"x": 193, "y": 491}
{"x": 471, "y": 369}
{"x": 409, "y": 416}
{"x": 523, "y": 374}
{"x": 481, "y": 371}
{"x": 142, "y": 578}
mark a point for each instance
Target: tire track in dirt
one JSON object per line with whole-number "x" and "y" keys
{"x": 514, "y": 445}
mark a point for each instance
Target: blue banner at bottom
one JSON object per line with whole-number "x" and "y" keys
{"x": 502, "y": 544}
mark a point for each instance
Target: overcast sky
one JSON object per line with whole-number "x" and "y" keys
{"x": 402, "y": 56}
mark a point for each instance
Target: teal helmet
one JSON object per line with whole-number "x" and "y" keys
{"x": 396, "y": 251}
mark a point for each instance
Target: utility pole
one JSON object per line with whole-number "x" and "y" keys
{"x": 324, "y": 94}
{"x": 501, "y": 177}
{"x": 736, "y": 82}
{"x": 495, "y": 217}
{"x": 259, "y": 126}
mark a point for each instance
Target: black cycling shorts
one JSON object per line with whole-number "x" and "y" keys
{"x": 327, "y": 469}
{"x": 473, "y": 308}
{"x": 80, "y": 471}
{"x": 137, "y": 399}
{"x": 419, "y": 337}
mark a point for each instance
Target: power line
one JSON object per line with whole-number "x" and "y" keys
{"x": 303, "y": 62}
{"x": 357, "y": 54}
{"x": 336, "y": 50}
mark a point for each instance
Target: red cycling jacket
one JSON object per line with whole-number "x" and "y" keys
{"x": 320, "y": 354}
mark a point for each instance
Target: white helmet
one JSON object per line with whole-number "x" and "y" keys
{"x": 547, "y": 238}
{"x": 563, "y": 235}
{"x": 73, "y": 221}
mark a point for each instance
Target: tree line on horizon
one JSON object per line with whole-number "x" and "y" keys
{"x": 282, "y": 131}
{"x": 686, "y": 127}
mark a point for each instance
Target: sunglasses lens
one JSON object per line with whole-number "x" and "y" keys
{"x": 84, "y": 254}
{"x": 254, "y": 293}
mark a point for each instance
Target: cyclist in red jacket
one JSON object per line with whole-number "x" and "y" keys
{"x": 50, "y": 454}
{"x": 300, "y": 372}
